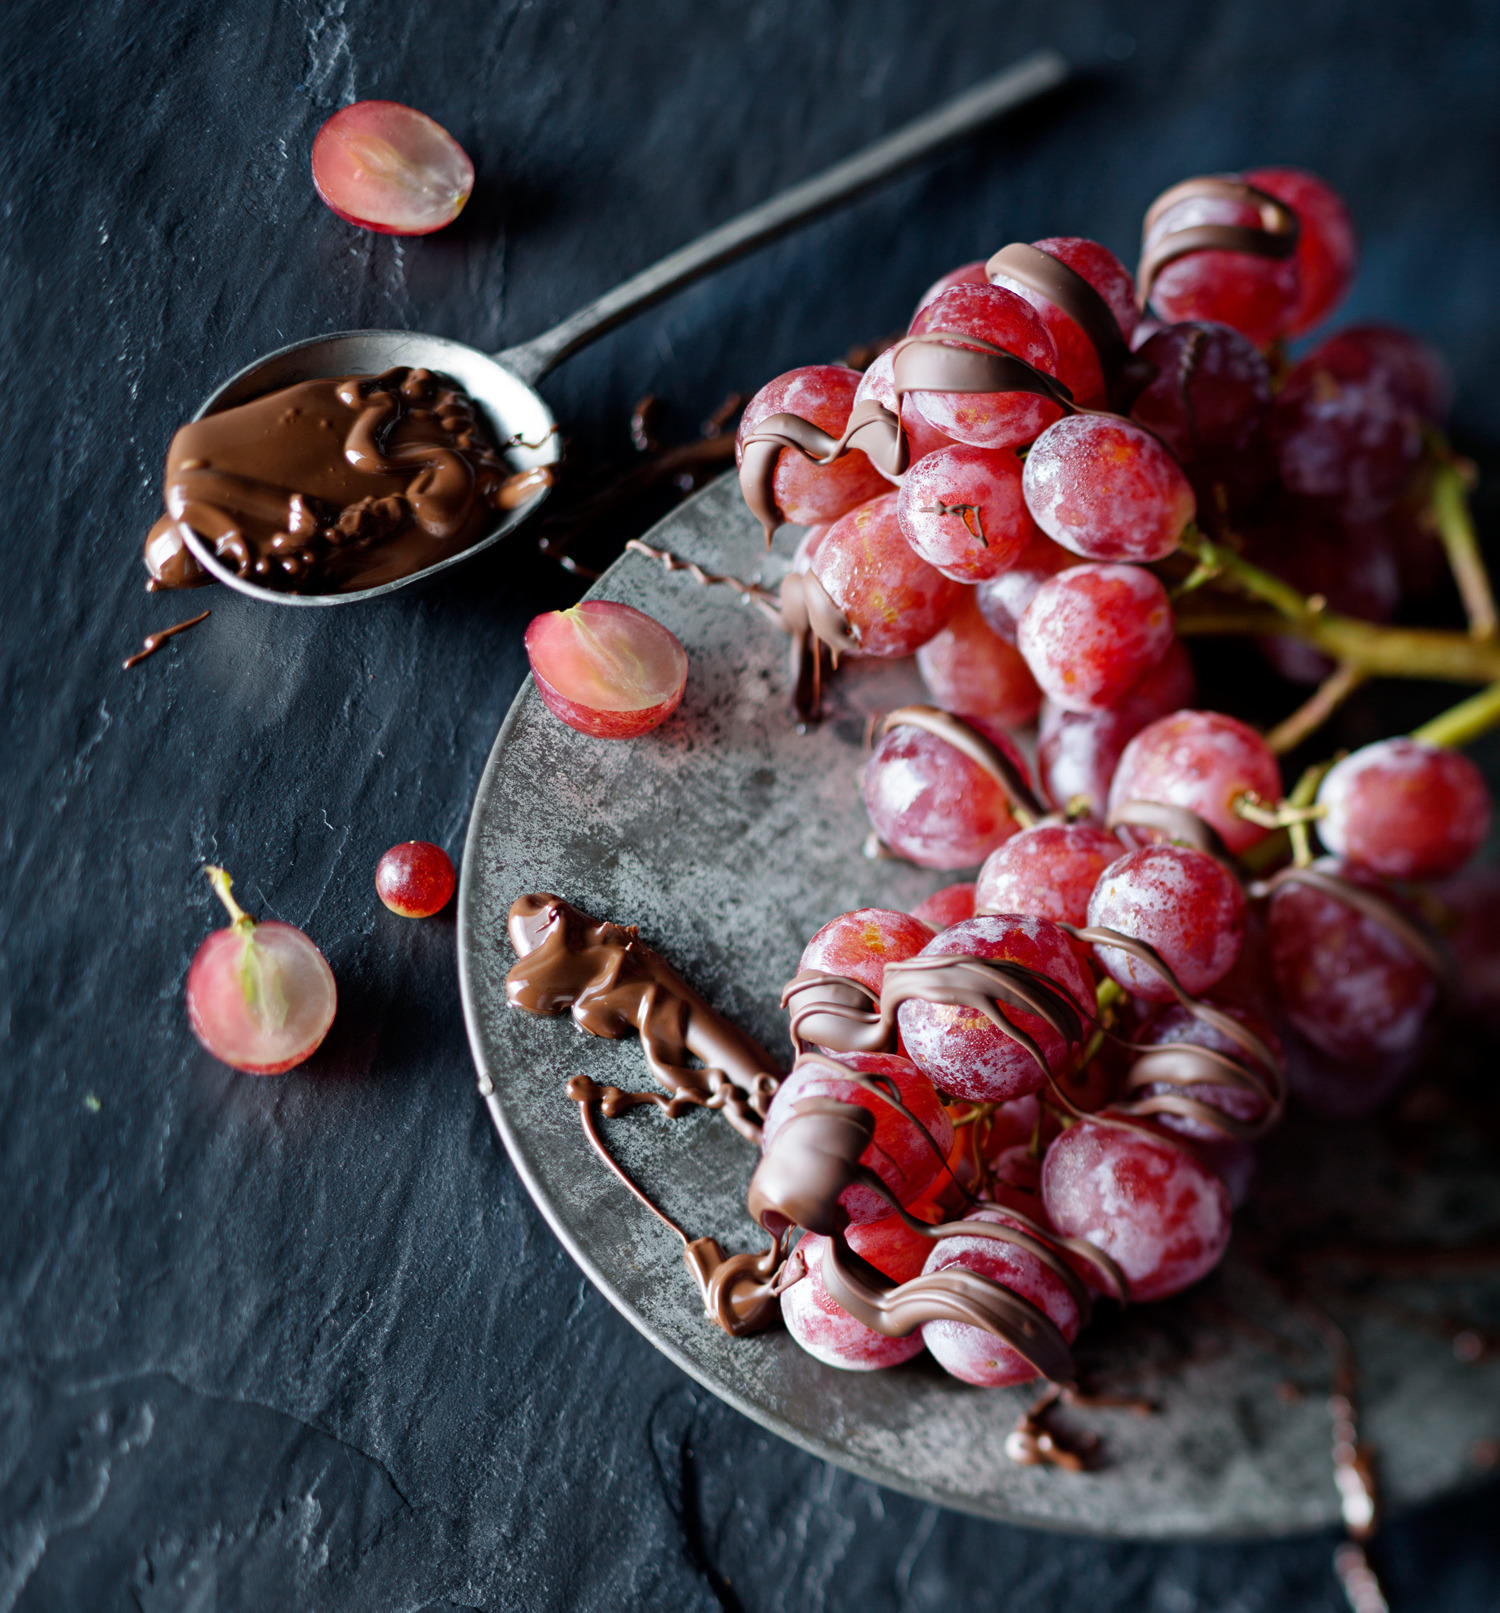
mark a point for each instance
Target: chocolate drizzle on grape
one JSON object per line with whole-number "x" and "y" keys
{"x": 1367, "y": 902}
{"x": 1275, "y": 236}
{"x": 984, "y": 753}
{"x": 1180, "y": 825}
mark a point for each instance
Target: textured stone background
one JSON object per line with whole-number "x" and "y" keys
{"x": 304, "y": 1343}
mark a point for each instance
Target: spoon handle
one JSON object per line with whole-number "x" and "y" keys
{"x": 1027, "y": 79}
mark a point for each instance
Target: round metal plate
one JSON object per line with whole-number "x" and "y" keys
{"x": 728, "y": 838}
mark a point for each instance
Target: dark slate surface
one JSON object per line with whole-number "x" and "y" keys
{"x": 305, "y": 1342}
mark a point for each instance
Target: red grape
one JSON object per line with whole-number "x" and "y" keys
{"x": 892, "y": 599}
{"x": 899, "y": 1154}
{"x": 964, "y": 275}
{"x": 1203, "y": 761}
{"x": 806, "y": 493}
{"x": 974, "y": 1354}
{"x": 1415, "y": 373}
{"x": 824, "y": 1328}
{"x": 962, "y": 1051}
{"x": 1343, "y": 1089}
{"x": 1090, "y": 634}
{"x": 962, "y": 510}
{"x": 879, "y": 382}
{"x": 807, "y": 547}
{"x": 1003, "y": 600}
{"x": 1174, "y": 1026}
{"x": 1077, "y": 362}
{"x": 1049, "y": 871}
{"x": 1352, "y": 985}
{"x": 1472, "y": 930}
{"x": 989, "y": 419}
{"x": 1234, "y": 1164}
{"x": 1254, "y": 295}
{"x": 1107, "y": 490}
{"x": 1342, "y": 431}
{"x": 931, "y": 804}
{"x": 415, "y": 879}
{"x": 950, "y": 905}
{"x": 389, "y": 168}
{"x": 858, "y": 945}
{"x": 606, "y": 669}
{"x": 1184, "y": 903}
{"x": 968, "y": 668}
{"x": 1211, "y": 395}
{"x": 1405, "y": 809}
{"x": 1078, "y": 751}
{"x": 1326, "y": 249}
{"x": 260, "y": 997}
{"x": 1155, "y": 1209}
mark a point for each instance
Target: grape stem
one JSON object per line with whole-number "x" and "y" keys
{"x": 239, "y": 919}
{"x": 1288, "y": 734}
{"x": 1452, "y": 479}
{"x": 1463, "y": 722}
{"x": 1283, "y": 815}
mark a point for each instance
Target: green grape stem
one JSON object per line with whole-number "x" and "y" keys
{"x": 223, "y": 886}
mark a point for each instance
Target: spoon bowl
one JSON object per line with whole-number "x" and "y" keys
{"x": 504, "y": 385}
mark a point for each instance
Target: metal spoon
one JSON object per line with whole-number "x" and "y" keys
{"x": 504, "y": 384}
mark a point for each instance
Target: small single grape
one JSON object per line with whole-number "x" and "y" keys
{"x": 415, "y": 879}
{"x": 966, "y": 274}
{"x": 963, "y": 511}
{"x": 1049, "y": 871}
{"x": 606, "y": 669}
{"x": 1405, "y": 809}
{"x": 950, "y": 905}
{"x": 1003, "y": 600}
{"x": 858, "y": 945}
{"x": 1092, "y": 633}
{"x": 971, "y": 669}
{"x": 260, "y": 997}
{"x": 1211, "y": 394}
{"x": 391, "y": 169}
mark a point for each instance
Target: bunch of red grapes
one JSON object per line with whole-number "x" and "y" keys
{"x": 1019, "y": 555}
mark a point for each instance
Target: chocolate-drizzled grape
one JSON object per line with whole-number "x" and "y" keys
{"x": 807, "y": 493}
{"x": 1078, "y": 751}
{"x": 961, "y": 1049}
{"x": 1254, "y": 295}
{"x": 260, "y": 997}
{"x": 879, "y": 382}
{"x": 1049, "y": 871}
{"x": 968, "y": 668}
{"x": 1160, "y": 1213}
{"x": 1211, "y": 394}
{"x": 1405, "y": 809}
{"x": 1077, "y": 362}
{"x": 1174, "y": 1026}
{"x": 974, "y": 1354}
{"x": 1003, "y": 600}
{"x": 1327, "y": 251}
{"x": 824, "y": 1328}
{"x": 966, "y": 274}
{"x": 391, "y": 169}
{"x": 963, "y": 511}
{"x": 1352, "y": 985}
{"x": 858, "y": 945}
{"x": 1184, "y": 903}
{"x": 1090, "y": 634}
{"x": 901, "y": 1155}
{"x": 1342, "y": 430}
{"x": 1203, "y": 761}
{"x": 950, "y": 905}
{"x": 931, "y": 804}
{"x": 891, "y": 598}
{"x": 606, "y": 669}
{"x": 415, "y": 879}
{"x": 1107, "y": 490}
{"x": 999, "y": 317}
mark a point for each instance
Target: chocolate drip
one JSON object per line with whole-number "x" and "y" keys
{"x": 1275, "y": 237}
{"x": 1369, "y": 903}
{"x": 1124, "y": 375}
{"x": 335, "y": 485}
{"x": 984, "y": 753}
{"x": 154, "y": 641}
{"x": 169, "y": 560}
{"x": 612, "y": 982}
{"x": 1178, "y": 824}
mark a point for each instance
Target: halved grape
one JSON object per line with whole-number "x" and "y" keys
{"x": 260, "y": 997}
{"x": 1163, "y": 1216}
{"x": 606, "y": 669}
{"x": 1406, "y": 809}
{"x": 970, "y": 669}
{"x": 1106, "y": 489}
{"x": 389, "y": 168}
{"x": 1090, "y": 634}
{"x": 807, "y": 493}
